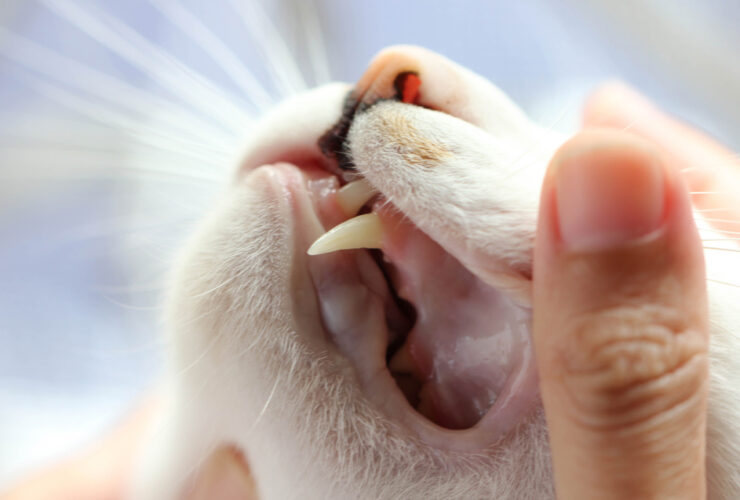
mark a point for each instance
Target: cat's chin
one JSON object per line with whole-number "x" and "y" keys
{"x": 433, "y": 347}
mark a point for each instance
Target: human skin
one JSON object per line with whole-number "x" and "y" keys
{"x": 620, "y": 322}
{"x": 101, "y": 472}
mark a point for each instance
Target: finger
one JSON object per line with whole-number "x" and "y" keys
{"x": 620, "y": 322}
{"x": 711, "y": 170}
{"x": 102, "y": 471}
{"x": 225, "y": 476}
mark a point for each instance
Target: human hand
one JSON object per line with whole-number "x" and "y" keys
{"x": 601, "y": 461}
{"x": 104, "y": 471}
{"x": 620, "y": 314}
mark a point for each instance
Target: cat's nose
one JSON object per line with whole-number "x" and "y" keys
{"x": 418, "y": 76}
{"x": 412, "y": 75}
{"x": 395, "y": 73}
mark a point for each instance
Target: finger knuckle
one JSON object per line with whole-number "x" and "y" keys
{"x": 625, "y": 365}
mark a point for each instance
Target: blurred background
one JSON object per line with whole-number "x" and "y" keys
{"x": 121, "y": 121}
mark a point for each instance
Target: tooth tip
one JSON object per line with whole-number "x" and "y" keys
{"x": 363, "y": 231}
{"x": 354, "y": 195}
{"x": 314, "y": 249}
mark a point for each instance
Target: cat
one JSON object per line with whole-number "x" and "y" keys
{"x": 332, "y": 372}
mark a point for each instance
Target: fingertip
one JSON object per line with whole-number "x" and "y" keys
{"x": 604, "y": 188}
{"x": 609, "y": 190}
{"x": 226, "y": 476}
{"x": 612, "y": 191}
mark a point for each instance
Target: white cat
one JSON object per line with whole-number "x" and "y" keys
{"x": 286, "y": 355}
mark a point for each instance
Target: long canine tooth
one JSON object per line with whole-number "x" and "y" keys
{"x": 354, "y": 195}
{"x": 363, "y": 231}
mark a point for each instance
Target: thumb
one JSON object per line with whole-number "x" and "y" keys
{"x": 620, "y": 323}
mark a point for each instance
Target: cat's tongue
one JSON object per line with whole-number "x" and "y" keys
{"x": 468, "y": 337}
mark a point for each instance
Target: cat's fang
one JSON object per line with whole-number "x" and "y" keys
{"x": 354, "y": 195}
{"x": 363, "y": 231}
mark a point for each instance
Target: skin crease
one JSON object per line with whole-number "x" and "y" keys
{"x": 620, "y": 322}
{"x": 596, "y": 111}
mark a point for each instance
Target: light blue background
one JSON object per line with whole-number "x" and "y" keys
{"x": 84, "y": 244}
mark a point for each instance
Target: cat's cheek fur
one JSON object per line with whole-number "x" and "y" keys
{"x": 228, "y": 296}
{"x": 241, "y": 373}
{"x": 233, "y": 350}
{"x": 723, "y": 431}
{"x": 249, "y": 368}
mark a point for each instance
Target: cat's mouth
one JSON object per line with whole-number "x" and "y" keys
{"x": 450, "y": 341}
{"x": 433, "y": 344}
{"x": 453, "y": 340}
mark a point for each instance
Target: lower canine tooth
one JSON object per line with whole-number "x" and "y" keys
{"x": 363, "y": 231}
{"x": 354, "y": 195}
{"x": 402, "y": 362}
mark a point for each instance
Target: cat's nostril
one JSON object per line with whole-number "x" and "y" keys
{"x": 393, "y": 74}
{"x": 407, "y": 87}
{"x": 404, "y": 87}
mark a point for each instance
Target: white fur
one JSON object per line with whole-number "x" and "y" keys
{"x": 249, "y": 367}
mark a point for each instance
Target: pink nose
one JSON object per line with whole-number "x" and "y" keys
{"x": 394, "y": 73}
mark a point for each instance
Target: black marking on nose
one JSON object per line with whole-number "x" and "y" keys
{"x": 333, "y": 143}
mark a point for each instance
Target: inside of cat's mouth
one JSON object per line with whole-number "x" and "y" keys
{"x": 452, "y": 343}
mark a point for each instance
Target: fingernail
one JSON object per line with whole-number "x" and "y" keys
{"x": 608, "y": 194}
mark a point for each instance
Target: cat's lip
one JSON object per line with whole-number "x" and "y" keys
{"x": 364, "y": 342}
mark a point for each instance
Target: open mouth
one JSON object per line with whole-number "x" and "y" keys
{"x": 432, "y": 343}
{"x": 452, "y": 340}
{"x": 453, "y": 346}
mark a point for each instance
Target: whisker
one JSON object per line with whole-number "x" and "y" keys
{"x": 29, "y": 164}
{"x": 156, "y": 286}
{"x": 122, "y": 226}
{"x": 184, "y": 19}
{"x": 707, "y": 210}
{"x": 190, "y": 86}
{"x": 136, "y": 130}
{"x": 714, "y": 231}
{"x": 722, "y": 249}
{"x": 631, "y": 124}
{"x": 315, "y": 41}
{"x": 49, "y": 150}
{"x": 220, "y": 285}
{"x": 282, "y": 65}
{"x": 138, "y": 175}
{"x": 155, "y": 344}
{"x": 70, "y": 140}
{"x": 203, "y": 352}
{"x": 103, "y": 86}
{"x": 734, "y": 221}
{"x": 731, "y": 162}
{"x": 723, "y": 282}
{"x": 130, "y": 307}
{"x": 544, "y": 133}
{"x": 691, "y": 169}
{"x": 263, "y": 410}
